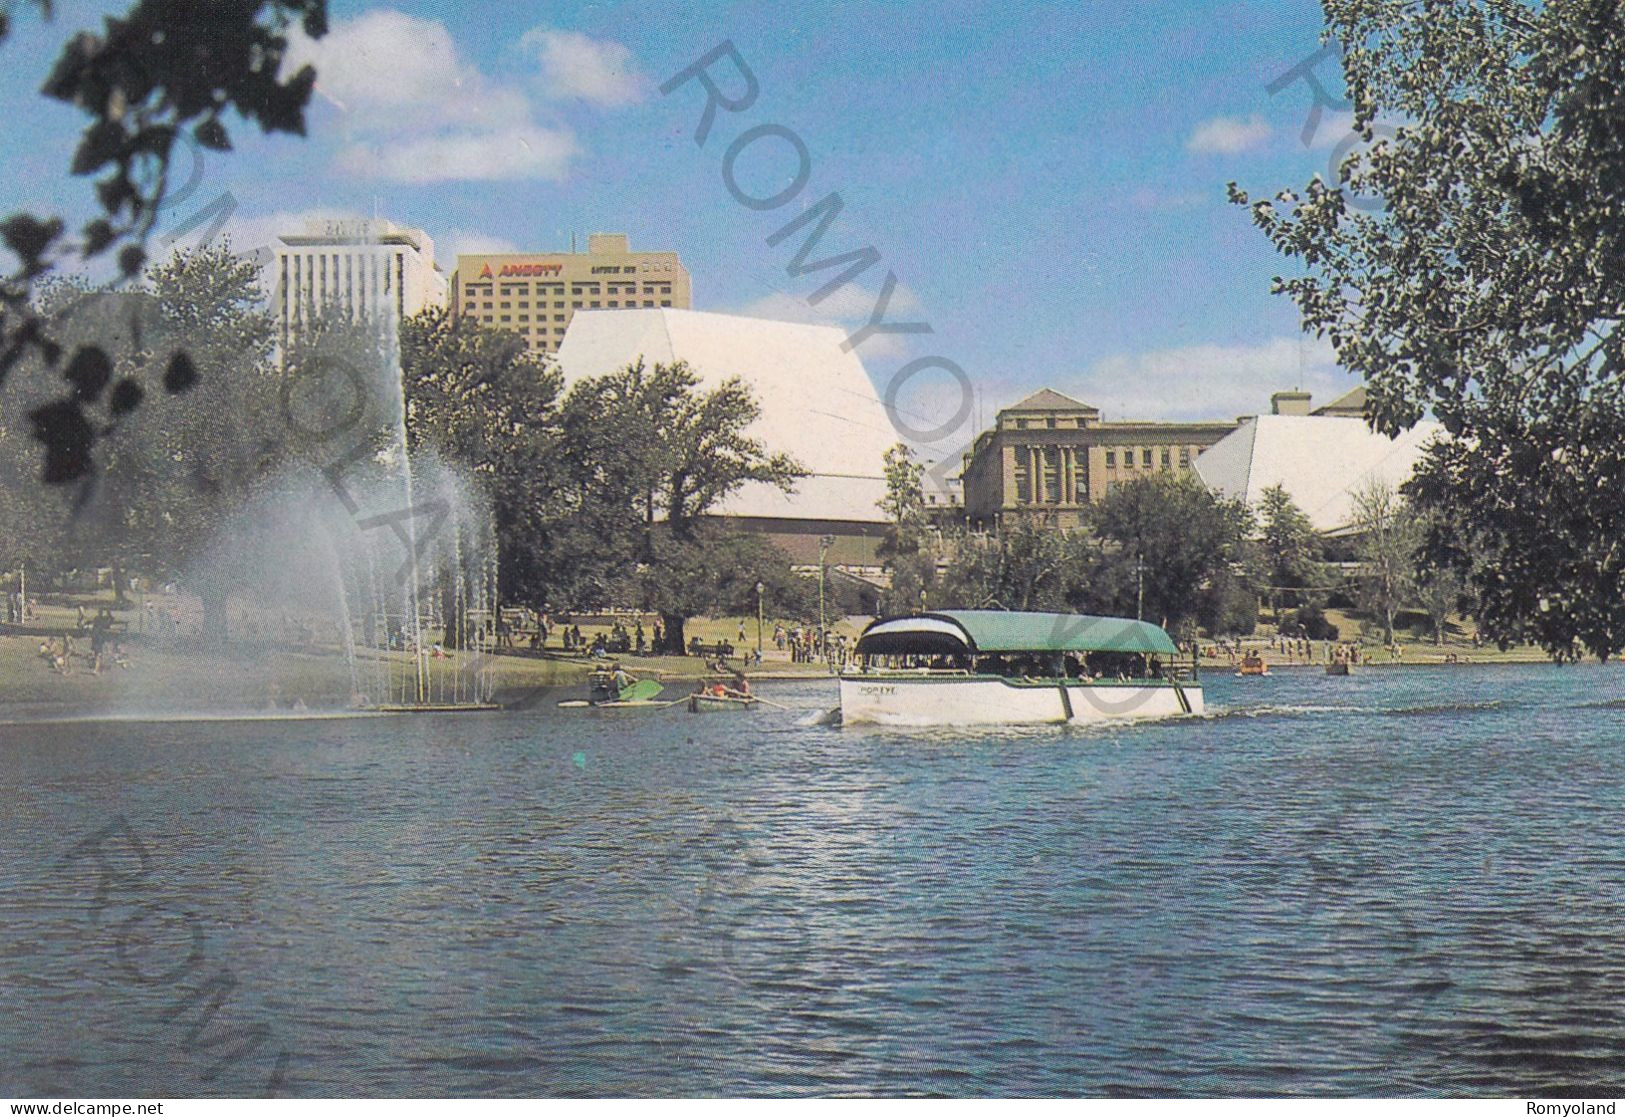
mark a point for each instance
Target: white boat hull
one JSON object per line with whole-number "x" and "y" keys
{"x": 918, "y": 701}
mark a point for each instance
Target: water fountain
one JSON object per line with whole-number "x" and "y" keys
{"x": 370, "y": 560}
{"x": 417, "y": 557}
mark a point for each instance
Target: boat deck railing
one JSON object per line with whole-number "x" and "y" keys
{"x": 1184, "y": 675}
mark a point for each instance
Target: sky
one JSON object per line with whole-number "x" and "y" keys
{"x": 1045, "y": 183}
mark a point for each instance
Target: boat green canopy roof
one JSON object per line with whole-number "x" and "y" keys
{"x": 984, "y": 631}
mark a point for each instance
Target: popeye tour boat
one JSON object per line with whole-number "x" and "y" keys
{"x": 982, "y": 667}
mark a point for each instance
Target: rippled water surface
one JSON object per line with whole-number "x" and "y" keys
{"x": 1411, "y": 881}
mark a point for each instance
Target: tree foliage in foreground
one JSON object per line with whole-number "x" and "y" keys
{"x": 1487, "y": 287}
{"x": 165, "y": 72}
{"x": 168, "y": 478}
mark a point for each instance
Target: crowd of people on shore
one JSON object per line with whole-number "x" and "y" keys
{"x": 1294, "y": 649}
{"x": 106, "y": 651}
{"x": 810, "y": 644}
{"x": 802, "y": 644}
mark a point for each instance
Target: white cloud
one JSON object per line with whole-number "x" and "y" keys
{"x": 1228, "y": 135}
{"x": 598, "y": 71}
{"x": 1159, "y": 200}
{"x": 382, "y": 60}
{"x": 522, "y": 152}
{"x": 1332, "y": 129}
{"x": 467, "y": 242}
{"x": 413, "y": 109}
{"x": 848, "y": 307}
{"x": 1203, "y": 381}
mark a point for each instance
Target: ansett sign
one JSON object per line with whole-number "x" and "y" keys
{"x": 523, "y": 269}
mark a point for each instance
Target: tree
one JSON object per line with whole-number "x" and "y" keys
{"x": 168, "y": 479}
{"x": 478, "y": 398}
{"x": 1439, "y": 592}
{"x": 173, "y": 478}
{"x": 163, "y": 70}
{"x": 1027, "y": 565}
{"x": 1290, "y": 550}
{"x": 1169, "y": 539}
{"x": 1441, "y": 588}
{"x": 904, "y": 551}
{"x": 647, "y": 448}
{"x": 1387, "y": 544}
{"x": 1229, "y": 607}
{"x": 904, "y": 503}
{"x": 1470, "y": 261}
{"x": 1546, "y": 565}
{"x": 705, "y": 455}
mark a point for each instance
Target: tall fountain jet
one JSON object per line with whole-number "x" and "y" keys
{"x": 372, "y": 553}
{"x": 440, "y": 524}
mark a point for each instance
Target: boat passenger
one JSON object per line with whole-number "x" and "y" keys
{"x": 620, "y": 679}
{"x": 741, "y": 687}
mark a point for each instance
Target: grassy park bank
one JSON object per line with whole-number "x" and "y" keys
{"x": 174, "y": 677}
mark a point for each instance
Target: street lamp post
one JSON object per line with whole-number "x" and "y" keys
{"x": 1139, "y": 593}
{"x": 760, "y": 589}
{"x": 824, "y": 545}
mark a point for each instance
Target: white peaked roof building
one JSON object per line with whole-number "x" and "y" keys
{"x": 1320, "y": 460}
{"x": 817, "y": 405}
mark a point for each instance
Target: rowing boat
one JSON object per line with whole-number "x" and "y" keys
{"x": 718, "y": 703}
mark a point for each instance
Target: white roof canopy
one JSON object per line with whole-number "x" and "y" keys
{"x": 1319, "y": 460}
{"x": 817, "y": 403}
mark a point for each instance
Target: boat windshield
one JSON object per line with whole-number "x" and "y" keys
{"x": 1022, "y": 645}
{"x": 1069, "y": 665}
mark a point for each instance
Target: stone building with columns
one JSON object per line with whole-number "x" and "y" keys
{"x": 1051, "y": 456}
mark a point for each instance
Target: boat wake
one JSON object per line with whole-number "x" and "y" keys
{"x": 1224, "y": 713}
{"x": 1445, "y": 708}
{"x": 1307, "y": 710}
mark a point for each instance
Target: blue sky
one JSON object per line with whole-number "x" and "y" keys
{"x": 1046, "y": 182}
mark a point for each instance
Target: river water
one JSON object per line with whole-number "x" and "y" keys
{"x": 1410, "y": 881}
